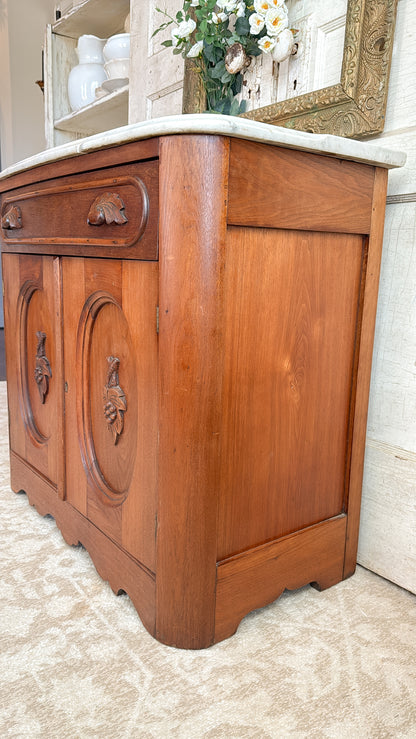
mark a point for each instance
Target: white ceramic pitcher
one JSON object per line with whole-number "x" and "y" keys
{"x": 89, "y": 74}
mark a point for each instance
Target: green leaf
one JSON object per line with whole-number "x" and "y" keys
{"x": 166, "y": 43}
{"x": 237, "y": 84}
{"x": 161, "y": 28}
{"x": 217, "y": 72}
{"x": 209, "y": 53}
{"x": 235, "y": 107}
{"x": 242, "y": 26}
{"x": 226, "y": 77}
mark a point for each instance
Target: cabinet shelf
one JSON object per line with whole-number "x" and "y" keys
{"x": 101, "y": 115}
{"x": 102, "y": 18}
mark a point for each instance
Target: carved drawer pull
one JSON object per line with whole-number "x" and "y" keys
{"x": 115, "y": 403}
{"x": 12, "y": 218}
{"x": 107, "y": 208}
{"x": 43, "y": 368}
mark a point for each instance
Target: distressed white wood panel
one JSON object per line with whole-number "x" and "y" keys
{"x": 321, "y": 29}
{"x": 329, "y": 52}
{"x": 387, "y": 542}
{"x": 392, "y": 408}
{"x": 108, "y": 112}
{"x": 165, "y": 102}
{"x": 401, "y": 102}
{"x": 156, "y": 74}
{"x": 60, "y": 58}
{"x": 100, "y": 17}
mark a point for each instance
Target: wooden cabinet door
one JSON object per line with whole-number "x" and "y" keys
{"x": 33, "y": 352}
{"x": 110, "y": 348}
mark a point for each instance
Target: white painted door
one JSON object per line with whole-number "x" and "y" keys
{"x": 156, "y": 76}
{"x": 320, "y": 26}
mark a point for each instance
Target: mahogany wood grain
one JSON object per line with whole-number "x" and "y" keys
{"x": 36, "y": 428}
{"x": 364, "y": 369}
{"x": 257, "y": 577}
{"x": 123, "y": 573}
{"x": 192, "y": 241}
{"x": 134, "y": 151}
{"x": 289, "y": 338}
{"x": 304, "y": 191}
{"x": 56, "y": 216}
{"x": 110, "y": 311}
{"x": 211, "y": 465}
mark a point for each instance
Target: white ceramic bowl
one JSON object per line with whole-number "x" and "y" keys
{"x": 117, "y": 47}
{"x": 117, "y": 68}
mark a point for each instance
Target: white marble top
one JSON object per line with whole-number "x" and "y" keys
{"x": 208, "y": 123}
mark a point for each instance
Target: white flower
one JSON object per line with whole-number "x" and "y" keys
{"x": 275, "y": 22}
{"x": 256, "y": 23}
{"x": 194, "y": 3}
{"x": 278, "y": 4}
{"x": 175, "y": 36}
{"x": 184, "y": 30}
{"x": 196, "y": 49}
{"x": 267, "y": 44}
{"x": 228, "y": 5}
{"x": 241, "y": 10}
{"x": 262, "y": 6}
{"x": 219, "y": 18}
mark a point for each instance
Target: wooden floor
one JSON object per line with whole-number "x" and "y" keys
{"x": 2, "y": 357}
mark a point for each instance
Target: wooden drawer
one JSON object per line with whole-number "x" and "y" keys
{"x": 108, "y": 213}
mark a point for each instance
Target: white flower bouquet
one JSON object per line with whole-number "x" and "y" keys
{"x": 222, "y": 36}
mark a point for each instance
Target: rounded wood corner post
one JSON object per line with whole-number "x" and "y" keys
{"x": 193, "y": 196}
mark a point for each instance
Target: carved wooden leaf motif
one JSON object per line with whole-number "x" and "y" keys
{"x": 107, "y": 208}
{"x": 43, "y": 369}
{"x": 12, "y": 219}
{"x": 115, "y": 403}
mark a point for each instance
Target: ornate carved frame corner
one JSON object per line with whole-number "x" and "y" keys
{"x": 356, "y": 106}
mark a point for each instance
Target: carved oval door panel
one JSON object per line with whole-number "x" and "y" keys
{"x": 108, "y": 387}
{"x": 35, "y": 382}
{"x": 35, "y": 371}
{"x": 110, "y": 348}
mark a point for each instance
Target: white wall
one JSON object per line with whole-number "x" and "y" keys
{"x": 22, "y": 28}
{"x": 388, "y": 520}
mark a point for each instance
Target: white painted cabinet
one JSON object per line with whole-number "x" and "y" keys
{"x": 156, "y": 76}
{"x": 102, "y": 18}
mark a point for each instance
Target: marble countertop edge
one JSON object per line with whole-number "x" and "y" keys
{"x": 215, "y": 124}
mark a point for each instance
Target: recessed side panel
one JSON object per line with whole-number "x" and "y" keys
{"x": 292, "y": 305}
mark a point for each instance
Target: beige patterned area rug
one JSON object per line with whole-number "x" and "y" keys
{"x": 75, "y": 660}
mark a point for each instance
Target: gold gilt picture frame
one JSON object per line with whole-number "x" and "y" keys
{"x": 356, "y": 106}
